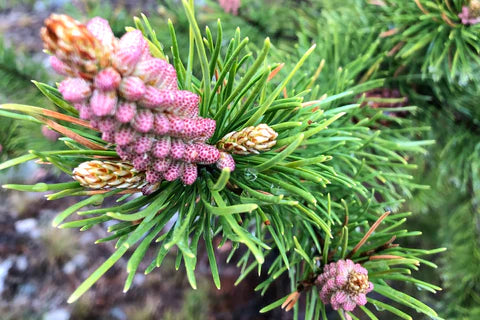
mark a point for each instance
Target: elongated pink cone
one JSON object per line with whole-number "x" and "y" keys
{"x": 161, "y": 148}
{"x": 143, "y": 144}
{"x": 190, "y": 155}
{"x": 207, "y": 154}
{"x": 124, "y": 136}
{"x": 143, "y": 121}
{"x": 140, "y": 162}
{"x": 153, "y": 176}
{"x": 74, "y": 89}
{"x": 189, "y": 174}
{"x": 129, "y": 51}
{"x": 108, "y": 79}
{"x": 103, "y": 102}
{"x": 167, "y": 79}
{"x": 174, "y": 171}
{"x": 150, "y": 69}
{"x": 344, "y": 284}
{"x": 177, "y": 149}
{"x": 100, "y": 29}
{"x": 61, "y": 68}
{"x": 161, "y": 165}
{"x": 161, "y": 125}
{"x": 125, "y": 111}
{"x": 132, "y": 88}
{"x": 225, "y": 161}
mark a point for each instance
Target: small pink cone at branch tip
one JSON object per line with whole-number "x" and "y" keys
{"x": 74, "y": 89}
{"x": 107, "y": 79}
{"x": 225, "y": 161}
{"x": 344, "y": 284}
{"x": 132, "y": 88}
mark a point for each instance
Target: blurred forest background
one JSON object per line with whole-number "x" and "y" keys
{"x": 40, "y": 266}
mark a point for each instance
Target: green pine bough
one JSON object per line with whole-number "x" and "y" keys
{"x": 330, "y": 189}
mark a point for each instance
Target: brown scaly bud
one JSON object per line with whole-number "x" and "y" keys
{"x": 250, "y": 140}
{"x": 97, "y": 174}
{"x": 73, "y": 44}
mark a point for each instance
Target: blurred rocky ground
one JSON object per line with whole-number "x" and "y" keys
{"x": 40, "y": 266}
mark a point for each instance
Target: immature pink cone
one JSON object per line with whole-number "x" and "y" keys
{"x": 129, "y": 51}
{"x": 74, "y": 89}
{"x": 344, "y": 284}
{"x": 225, "y": 161}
